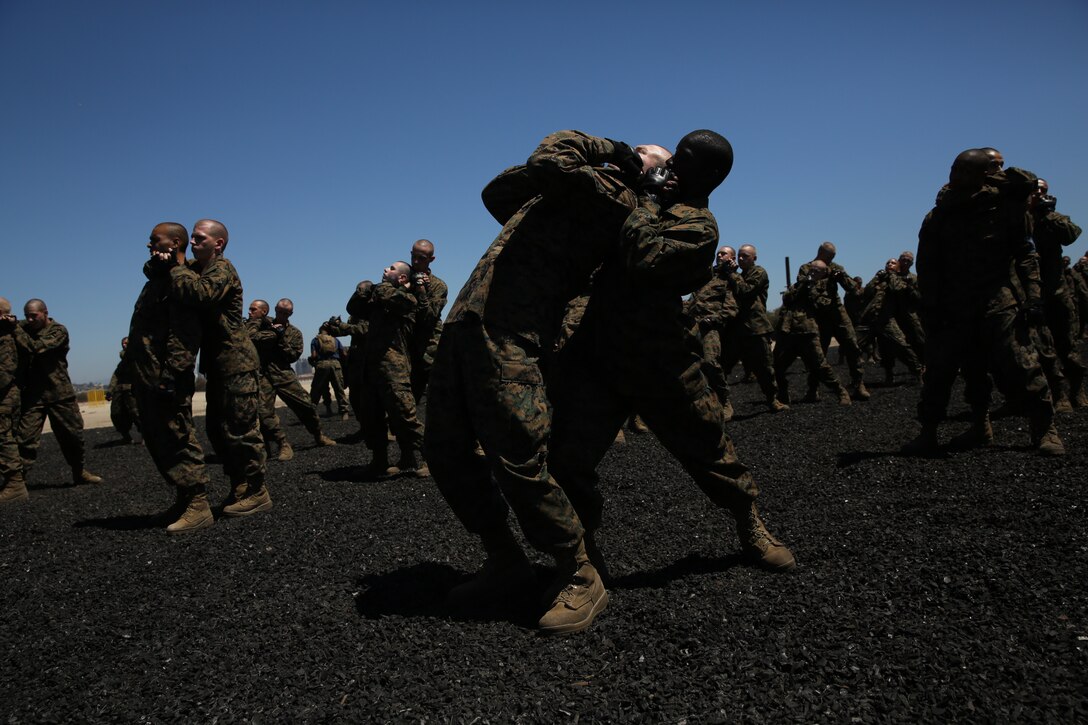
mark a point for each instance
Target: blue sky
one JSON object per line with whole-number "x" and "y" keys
{"x": 329, "y": 136}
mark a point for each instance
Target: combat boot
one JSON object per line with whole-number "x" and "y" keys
{"x": 621, "y": 439}
{"x": 1045, "y": 439}
{"x": 844, "y": 396}
{"x": 256, "y": 500}
{"x": 1080, "y": 400}
{"x": 759, "y": 546}
{"x": 923, "y": 445}
{"x": 344, "y": 414}
{"x": 860, "y": 391}
{"x": 287, "y": 452}
{"x": 82, "y": 475}
{"x": 635, "y": 425}
{"x": 237, "y": 492}
{"x": 506, "y": 574}
{"x": 323, "y": 440}
{"x": 379, "y": 467}
{"x": 197, "y": 514}
{"x": 776, "y": 406}
{"x": 410, "y": 464}
{"x": 979, "y": 435}
{"x": 14, "y": 490}
{"x": 580, "y": 595}
{"x": 727, "y": 410}
{"x": 1062, "y": 403}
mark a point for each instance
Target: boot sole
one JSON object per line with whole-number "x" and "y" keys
{"x": 598, "y": 607}
{"x": 204, "y": 524}
{"x": 248, "y": 512}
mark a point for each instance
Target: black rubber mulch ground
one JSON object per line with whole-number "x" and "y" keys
{"x": 934, "y": 590}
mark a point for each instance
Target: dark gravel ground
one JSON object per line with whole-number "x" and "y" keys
{"x": 947, "y": 589}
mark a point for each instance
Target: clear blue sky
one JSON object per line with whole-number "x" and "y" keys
{"x": 330, "y": 135}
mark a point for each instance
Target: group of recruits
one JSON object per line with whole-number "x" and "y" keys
{"x": 523, "y": 403}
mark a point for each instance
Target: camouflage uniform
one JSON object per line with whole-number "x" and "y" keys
{"x": 561, "y": 213}
{"x": 714, "y": 310}
{"x": 799, "y": 337}
{"x": 883, "y": 297}
{"x": 327, "y": 373}
{"x": 229, "y": 361}
{"x": 426, "y": 335}
{"x": 1058, "y": 352}
{"x": 1077, "y": 287}
{"x": 278, "y": 349}
{"x": 123, "y": 412}
{"x": 11, "y": 373}
{"x": 387, "y": 368}
{"x": 163, "y": 339}
{"x": 831, "y": 317}
{"x": 749, "y": 340}
{"x": 48, "y": 391}
{"x": 972, "y": 320}
{"x": 907, "y": 303}
{"x": 636, "y": 352}
{"x": 357, "y": 327}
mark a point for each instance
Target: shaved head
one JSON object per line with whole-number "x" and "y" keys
{"x": 5, "y": 306}
{"x": 653, "y": 155}
{"x": 214, "y": 228}
{"x": 34, "y": 305}
{"x": 285, "y": 308}
{"x": 826, "y": 252}
{"x": 969, "y": 169}
{"x": 173, "y": 230}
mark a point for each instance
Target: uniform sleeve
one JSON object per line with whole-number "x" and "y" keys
{"x": 671, "y": 250}
{"x": 750, "y": 287}
{"x": 290, "y": 344}
{"x": 52, "y": 337}
{"x": 200, "y": 290}
{"x": 563, "y": 164}
{"x": 927, "y": 262}
{"x": 1059, "y": 227}
{"x": 508, "y": 192}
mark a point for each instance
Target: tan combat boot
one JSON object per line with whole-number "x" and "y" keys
{"x": 14, "y": 490}
{"x": 759, "y": 546}
{"x": 776, "y": 406}
{"x": 581, "y": 594}
{"x": 727, "y": 410}
{"x": 256, "y": 500}
{"x": 82, "y": 475}
{"x": 344, "y": 415}
{"x": 860, "y": 391}
{"x": 323, "y": 440}
{"x": 410, "y": 464}
{"x": 925, "y": 444}
{"x": 979, "y": 435}
{"x": 197, "y": 514}
{"x": 1045, "y": 439}
{"x": 844, "y": 396}
{"x": 635, "y": 425}
{"x": 287, "y": 452}
{"x": 506, "y": 574}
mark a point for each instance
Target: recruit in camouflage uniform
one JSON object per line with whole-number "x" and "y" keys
{"x": 357, "y": 327}
{"x": 210, "y": 287}
{"x": 325, "y": 353}
{"x": 749, "y": 340}
{"x": 11, "y": 363}
{"x": 636, "y": 352}
{"x": 163, "y": 340}
{"x": 47, "y": 392}
{"x": 883, "y": 295}
{"x": 907, "y": 303}
{"x": 1057, "y": 344}
{"x": 1077, "y": 287}
{"x": 427, "y": 330}
{"x": 799, "y": 336}
{"x": 123, "y": 412}
{"x": 395, "y": 306}
{"x": 979, "y": 322}
{"x": 832, "y": 320}
{"x": 279, "y": 345}
{"x": 561, "y": 212}
{"x": 714, "y": 311}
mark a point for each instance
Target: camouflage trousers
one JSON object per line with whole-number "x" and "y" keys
{"x": 170, "y": 436}
{"x": 487, "y": 386}
{"x": 327, "y": 373}
{"x": 234, "y": 428}
{"x": 893, "y": 345}
{"x": 390, "y": 396}
{"x": 716, "y": 376}
{"x": 1058, "y": 353}
{"x": 10, "y": 463}
{"x": 999, "y": 344}
{"x": 913, "y": 332}
{"x": 755, "y": 352}
{"x": 683, "y": 413}
{"x": 836, "y": 324}
{"x": 790, "y": 346}
{"x": 123, "y": 412}
{"x": 298, "y": 401}
{"x": 66, "y": 422}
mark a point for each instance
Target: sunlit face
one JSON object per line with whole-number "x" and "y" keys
{"x": 906, "y": 261}
{"x": 891, "y": 266}
{"x": 997, "y": 161}
{"x": 725, "y": 254}
{"x": 653, "y": 156}
{"x": 204, "y": 242}
{"x": 422, "y": 256}
{"x": 746, "y": 257}
{"x": 160, "y": 241}
{"x": 257, "y": 311}
{"x": 36, "y": 316}
{"x": 393, "y": 275}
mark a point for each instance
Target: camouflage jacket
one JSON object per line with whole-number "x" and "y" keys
{"x": 11, "y": 362}
{"x": 562, "y": 213}
{"x": 825, "y": 293}
{"x": 713, "y": 306}
{"x": 121, "y": 380}
{"x": 882, "y": 299}
{"x": 428, "y": 327}
{"x": 392, "y": 315}
{"x": 163, "y": 336}
{"x": 641, "y": 332}
{"x": 799, "y": 308}
{"x": 1077, "y": 289}
{"x": 975, "y": 256}
{"x": 215, "y": 294}
{"x": 46, "y": 355}
{"x": 1051, "y": 232}
{"x": 750, "y": 290}
{"x": 277, "y": 349}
